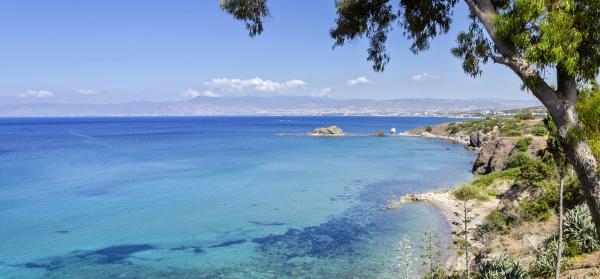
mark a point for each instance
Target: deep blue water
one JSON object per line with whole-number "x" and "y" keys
{"x": 214, "y": 197}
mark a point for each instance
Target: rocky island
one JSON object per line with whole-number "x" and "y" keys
{"x": 330, "y": 131}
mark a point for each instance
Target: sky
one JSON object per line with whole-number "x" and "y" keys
{"x": 115, "y": 51}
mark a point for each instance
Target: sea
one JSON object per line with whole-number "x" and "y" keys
{"x": 217, "y": 197}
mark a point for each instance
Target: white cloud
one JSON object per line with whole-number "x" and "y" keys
{"x": 36, "y": 94}
{"x": 357, "y": 81}
{"x": 209, "y": 93}
{"x": 256, "y": 85}
{"x": 88, "y": 92}
{"x": 323, "y": 92}
{"x": 195, "y": 93}
{"x": 424, "y": 77}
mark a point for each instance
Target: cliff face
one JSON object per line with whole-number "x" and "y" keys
{"x": 494, "y": 155}
{"x": 492, "y": 146}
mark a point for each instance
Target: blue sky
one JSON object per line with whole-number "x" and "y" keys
{"x": 117, "y": 51}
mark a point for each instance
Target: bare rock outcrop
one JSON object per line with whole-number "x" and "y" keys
{"x": 493, "y": 150}
{"x": 495, "y": 154}
{"x": 476, "y": 139}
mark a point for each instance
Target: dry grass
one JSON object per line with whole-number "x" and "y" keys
{"x": 520, "y": 244}
{"x": 584, "y": 265}
{"x": 522, "y": 241}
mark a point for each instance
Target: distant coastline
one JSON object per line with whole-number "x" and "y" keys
{"x": 274, "y": 106}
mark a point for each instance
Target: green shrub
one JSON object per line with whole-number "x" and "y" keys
{"x": 428, "y": 129}
{"x": 523, "y": 144}
{"x": 524, "y": 115}
{"x": 533, "y": 172}
{"x": 471, "y": 192}
{"x": 518, "y": 160}
{"x": 539, "y": 131}
{"x": 512, "y": 134}
{"x": 501, "y": 268}
{"x": 572, "y": 249}
{"x": 494, "y": 223}
{"x": 489, "y": 179}
{"x": 578, "y": 226}
{"x": 534, "y": 210}
{"x": 572, "y": 195}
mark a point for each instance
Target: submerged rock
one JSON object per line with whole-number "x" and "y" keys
{"x": 327, "y": 131}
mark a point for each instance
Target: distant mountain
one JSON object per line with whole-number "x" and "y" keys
{"x": 280, "y": 105}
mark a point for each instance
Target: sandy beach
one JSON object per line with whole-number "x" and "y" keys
{"x": 447, "y": 204}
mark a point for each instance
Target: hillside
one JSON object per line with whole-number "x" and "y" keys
{"x": 494, "y": 140}
{"x": 515, "y": 194}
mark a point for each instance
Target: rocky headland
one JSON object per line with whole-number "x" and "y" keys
{"x": 494, "y": 140}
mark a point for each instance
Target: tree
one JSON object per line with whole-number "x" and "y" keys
{"x": 557, "y": 152}
{"x": 431, "y": 254}
{"x": 530, "y": 37}
{"x": 463, "y": 231}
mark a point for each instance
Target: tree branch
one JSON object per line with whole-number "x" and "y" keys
{"x": 501, "y": 60}
{"x": 484, "y": 10}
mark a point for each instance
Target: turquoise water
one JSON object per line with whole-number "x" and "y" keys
{"x": 214, "y": 197}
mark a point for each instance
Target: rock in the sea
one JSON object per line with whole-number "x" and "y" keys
{"x": 380, "y": 134}
{"x": 327, "y": 131}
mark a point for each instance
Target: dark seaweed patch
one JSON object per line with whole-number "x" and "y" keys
{"x": 62, "y": 232}
{"x": 332, "y": 238}
{"x": 264, "y": 223}
{"x": 51, "y": 265}
{"x": 228, "y": 243}
{"x": 193, "y": 248}
{"x": 115, "y": 254}
{"x": 339, "y": 235}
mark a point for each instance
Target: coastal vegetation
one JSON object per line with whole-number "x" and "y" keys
{"x": 531, "y": 190}
{"x": 508, "y": 127}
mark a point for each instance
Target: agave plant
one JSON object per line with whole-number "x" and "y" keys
{"x": 501, "y": 268}
{"x": 579, "y": 226}
{"x": 545, "y": 261}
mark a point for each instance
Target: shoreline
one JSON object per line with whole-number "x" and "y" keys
{"x": 446, "y": 204}
{"x": 443, "y": 200}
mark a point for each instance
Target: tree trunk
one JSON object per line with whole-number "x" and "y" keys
{"x": 565, "y": 117}
{"x": 560, "y": 226}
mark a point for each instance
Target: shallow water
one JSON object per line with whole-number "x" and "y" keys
{"x": 206, "y": 197}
